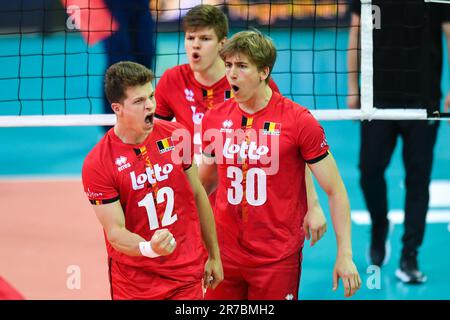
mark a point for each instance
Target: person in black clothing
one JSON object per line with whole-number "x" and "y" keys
{"x": 134, "y": 40}
{"x": 407, "y": 63}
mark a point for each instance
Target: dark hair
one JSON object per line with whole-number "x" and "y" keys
{"x": 122, "y": 75}
{"x": 258, "y": 47}
{"x": 207, "y": 16}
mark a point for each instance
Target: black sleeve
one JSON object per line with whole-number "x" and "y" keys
{"x": 355, "y": 7}
{"x": 317, "y": 159}
{"x": 445, "y": 12}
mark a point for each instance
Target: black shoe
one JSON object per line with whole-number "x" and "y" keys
{"x": 378, "y": 243}
{"x": 409, "y": 270}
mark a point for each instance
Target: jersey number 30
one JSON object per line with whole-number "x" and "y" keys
{"x": 254, "y": 197}
{"x": 163, "y": 194}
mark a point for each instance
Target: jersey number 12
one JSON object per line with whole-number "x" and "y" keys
{"x": 163, "y": 194}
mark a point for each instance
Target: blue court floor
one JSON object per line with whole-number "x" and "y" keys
{"x": 59, "y": 151}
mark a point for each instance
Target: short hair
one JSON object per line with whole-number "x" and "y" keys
{"x": 258, "y": 47}
{"x": 123, "y": 75}
{"x": 206, "y": 16}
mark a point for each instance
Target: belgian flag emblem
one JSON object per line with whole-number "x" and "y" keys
{"x": 272, "y": 128}
{"x": 165, "y": 145}
{"x": 228, "y": 94}
{"x": 246, "y": 122}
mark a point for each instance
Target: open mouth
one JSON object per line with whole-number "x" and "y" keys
{"x": 195, "y": 56}
{"x": 235, "y": 88}
{"x": 149, "y": 119}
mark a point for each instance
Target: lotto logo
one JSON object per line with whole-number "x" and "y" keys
{"x": 238, "y": 146}
{"x": 152, "y": 175}
{"x": 92, "y": 195}
{"x": 252, "y": 150}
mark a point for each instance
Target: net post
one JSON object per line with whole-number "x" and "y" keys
{"x": 367, "y": 109}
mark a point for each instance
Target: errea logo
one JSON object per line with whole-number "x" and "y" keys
{"x": 189, "y": 95}
{"x": 122, "y": 163}
{"x": 289, "y": 296}
{"x": 227, "y": 124}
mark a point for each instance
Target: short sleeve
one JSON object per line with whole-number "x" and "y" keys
{"x": 163, "y": 108}
{"x": 356, "y": 7}
{"x": 97, "y": 184}
{"x": 311, "y": 138}
{"x": 445, "y": 12}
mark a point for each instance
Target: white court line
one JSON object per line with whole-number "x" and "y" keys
{"x": 362, "y": 217}
{"x": 440, "y": 193}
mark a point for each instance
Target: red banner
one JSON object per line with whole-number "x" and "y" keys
{"x": 91, "y": 17}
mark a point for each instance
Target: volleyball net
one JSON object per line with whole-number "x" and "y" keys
{"x": 53, "y": 56}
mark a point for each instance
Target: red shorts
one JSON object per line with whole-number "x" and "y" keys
{"x": 276, "y": 281}
{"x": 131, "y": 283}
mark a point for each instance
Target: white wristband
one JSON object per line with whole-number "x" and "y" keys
{"x": 146, "y": 249}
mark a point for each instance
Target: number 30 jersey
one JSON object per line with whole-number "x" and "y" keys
{"x": 261, "y": 193}
{"x": 154, "y": 193}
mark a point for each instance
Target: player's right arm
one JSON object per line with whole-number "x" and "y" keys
{"x": 314, "y": 223}
{"x": 112, "y": 218}
{"x": 104, "y": 197}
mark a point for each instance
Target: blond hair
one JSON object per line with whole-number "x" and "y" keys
{"x": 258, "y": 47}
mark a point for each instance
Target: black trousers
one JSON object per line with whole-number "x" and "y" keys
{"x": 134, "y": 40}
{"x": 378, "y": 140}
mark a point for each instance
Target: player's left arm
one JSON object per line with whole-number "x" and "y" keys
{"x": 327, "y": 174}
{"x": 213, "y": 267}
{"x": 314, "y": 223}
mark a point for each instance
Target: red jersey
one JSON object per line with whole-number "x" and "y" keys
{"x": 154, "y": 193}
{"x": 261, "y": 194}
{"x": 178, "y": 94}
